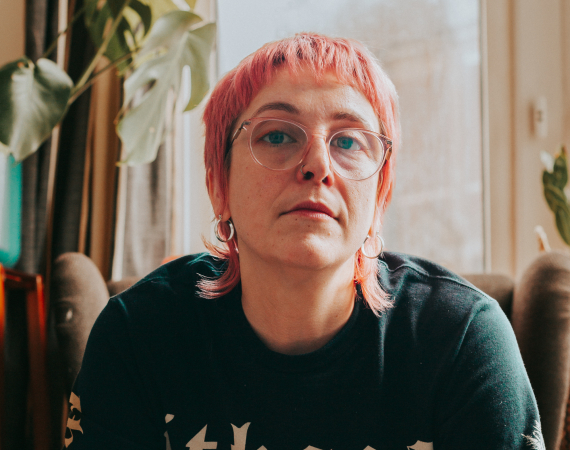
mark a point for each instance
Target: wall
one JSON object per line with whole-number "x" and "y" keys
{"x": 527, "y": 58}
{"x": 566, "y": 60}
{"x": 12, "y": 23}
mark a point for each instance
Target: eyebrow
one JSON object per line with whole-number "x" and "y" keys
{"x": 289, "y": 108}
{"x": 352, "y": 117}
{"x": 278, "y": 106}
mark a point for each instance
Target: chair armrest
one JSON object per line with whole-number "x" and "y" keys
{"x": 78, "y": 295}
{"x": 541, "y": 321}
{"x": 116, "y": 287}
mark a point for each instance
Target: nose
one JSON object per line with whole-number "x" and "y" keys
{"x": 317, "y": 163}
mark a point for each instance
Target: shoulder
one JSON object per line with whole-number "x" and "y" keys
{"x": 163, "y": 303}
{"x": 418, "y": 282}
{"x": 178, "y": 275}
{"x": 172, "y": 283}
{"x": 395, "y": 267}
{"x": 446, "y": 330}
{"x": 438, "y": 308}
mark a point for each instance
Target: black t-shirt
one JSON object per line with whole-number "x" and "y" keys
{"x": 441, "y": 369}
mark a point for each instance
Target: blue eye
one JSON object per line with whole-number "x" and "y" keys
{"x": 346, "y": 143}
{"x": 277, "y": 138}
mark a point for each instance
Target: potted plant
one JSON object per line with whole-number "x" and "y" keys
{"x": 148, "y": 43}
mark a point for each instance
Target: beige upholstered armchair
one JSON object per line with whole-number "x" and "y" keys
{"x": 538, "y": 306}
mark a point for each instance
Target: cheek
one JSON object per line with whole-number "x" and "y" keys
{"x": 242, "y": 195}
{"x": 250, "y": 192}
{"x": 363, "y": 206}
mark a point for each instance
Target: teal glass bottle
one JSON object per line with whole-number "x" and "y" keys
{"x": 10, "y": 210}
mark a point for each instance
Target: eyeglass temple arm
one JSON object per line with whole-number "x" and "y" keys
{"x": 238, "y": 131}
{"x": 389, "y": 152}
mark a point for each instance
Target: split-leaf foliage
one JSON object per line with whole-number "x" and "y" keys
{"x": 148, "y": 42}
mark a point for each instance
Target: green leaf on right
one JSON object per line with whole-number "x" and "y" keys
{"x": 554, "y": 183}
{"x": 172, "y": 44}
{"x": 33, "y": 100}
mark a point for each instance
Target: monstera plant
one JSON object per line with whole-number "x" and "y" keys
{"x": 148, "y": 43}
{"x": 554, "y": 180}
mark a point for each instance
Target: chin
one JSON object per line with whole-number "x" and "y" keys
{"x": 314, "y": 255}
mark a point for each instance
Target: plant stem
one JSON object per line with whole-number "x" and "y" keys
{"x": 53, "y": 45}
{"x": 101, "y": 50}
{"x": 77, "y": 92}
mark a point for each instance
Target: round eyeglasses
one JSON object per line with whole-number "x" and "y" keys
{"x": 279, "y": 144}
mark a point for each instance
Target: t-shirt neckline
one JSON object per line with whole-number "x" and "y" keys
{"x": 340, "y": 344}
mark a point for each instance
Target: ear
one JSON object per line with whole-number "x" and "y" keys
{"x": 218, "y": 200}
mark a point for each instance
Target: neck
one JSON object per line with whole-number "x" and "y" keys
{"x": 293, "y": 310}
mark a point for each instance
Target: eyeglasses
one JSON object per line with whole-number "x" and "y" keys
{"x": 279, "y": 144}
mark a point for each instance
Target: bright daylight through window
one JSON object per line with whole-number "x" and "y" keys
{"x": 431, "y": 51}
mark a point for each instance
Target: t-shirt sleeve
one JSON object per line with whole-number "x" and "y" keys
{"x": 112, "y": 404}
{"x": 487, "y": 401}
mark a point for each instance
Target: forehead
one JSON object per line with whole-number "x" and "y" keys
{"x": 311, "y": 98}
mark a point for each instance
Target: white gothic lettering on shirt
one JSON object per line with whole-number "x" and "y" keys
{"x": 198, "y": 442}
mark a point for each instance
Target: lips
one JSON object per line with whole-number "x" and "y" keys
{"x": 312, "y": 206}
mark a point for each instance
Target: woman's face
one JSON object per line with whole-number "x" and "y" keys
{"x": 278, "y": 215}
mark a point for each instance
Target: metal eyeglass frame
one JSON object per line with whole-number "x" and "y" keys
{"x": 381, "y": 137}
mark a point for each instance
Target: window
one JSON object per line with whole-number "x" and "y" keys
{"x": 431, "y": 51}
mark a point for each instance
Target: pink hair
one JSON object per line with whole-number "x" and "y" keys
{"x": 353, "y": 65}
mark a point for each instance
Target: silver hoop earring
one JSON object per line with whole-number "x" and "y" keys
{"x": 230, "y": 224}
{"x": 301, "y": 169}
{"x": 377, "y": 236}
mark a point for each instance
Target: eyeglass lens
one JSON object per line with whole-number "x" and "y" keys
{"x": 280, "y": 145}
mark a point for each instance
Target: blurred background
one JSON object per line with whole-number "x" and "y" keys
{"x": 470, "y": 75}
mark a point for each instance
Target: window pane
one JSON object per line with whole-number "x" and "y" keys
{"x": 430, "y": 49}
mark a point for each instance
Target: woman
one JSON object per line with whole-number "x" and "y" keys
{"x": 295, "y": 335}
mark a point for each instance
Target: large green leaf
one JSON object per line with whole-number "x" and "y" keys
{"x": 201, "y": 41}
{"x": 172, "y": 44}
{"x": 100, "y": 14}
{"x": 555, "y": 197}
{"x": 166, "y": 34}
{"x": 563, "y": 223}
{"x": 559, "y": 174}
{"x": 144, "y": 12}
{"x": 138, "y": 18}
{"x": 33, "y": 99}
{"x": 161, "y": 7}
